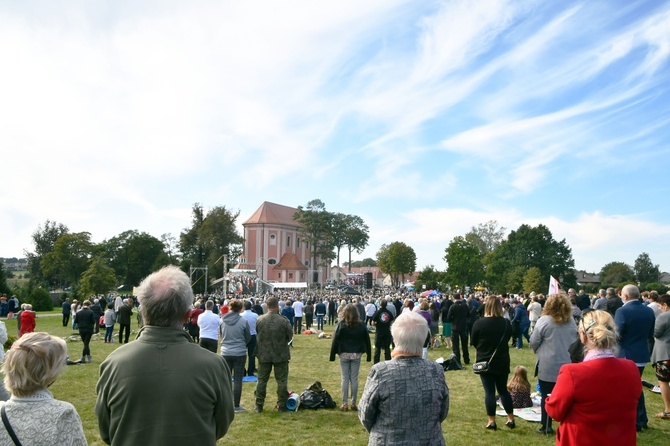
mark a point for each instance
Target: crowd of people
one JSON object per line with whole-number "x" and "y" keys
{"x": 582, "y": 345}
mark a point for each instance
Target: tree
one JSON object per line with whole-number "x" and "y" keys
{"x": 4, "y": 287}
{"x": 397, "y": 260}
{"x": 171, "y": 248}
{"x": 134, "y": 255}
{"x": 645, "y": 270}
{"x": 210, "y": 237}
{"x": 69, "y": 258}
{"x": 464, "y": 263}
{"x": 615, "y": 273}
{"x": 515, "y": 279}
{"x": 98, "y": 278}
{"x": 528, "y": 247}
{"x": 338, "y": 232}
{"x": 431, "y": 278}
{"x": 533, "y": 280}
{"x": 44, "y": 239}
{"x": 40, "y": 299}
{"x": 356, "y": 236}
{"x": 486, "y": 236}
{"x": 361, "y": 263}
{"x": 315, "y": 229}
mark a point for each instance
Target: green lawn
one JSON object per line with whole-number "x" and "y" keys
{"x": 464, "y": 425}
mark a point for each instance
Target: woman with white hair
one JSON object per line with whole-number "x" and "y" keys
{"x": 32, "y": 416}
{"x": 398, "y": 408}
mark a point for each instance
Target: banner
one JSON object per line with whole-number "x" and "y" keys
{"x": 554, "y": 286}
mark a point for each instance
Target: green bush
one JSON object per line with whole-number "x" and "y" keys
{"x": 10, "y": 340}
{"x": 40, "y": 299}
{"x": 662, "y": 289}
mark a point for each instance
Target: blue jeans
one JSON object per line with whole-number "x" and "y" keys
{"x": 319, "y": 322}
{"x": 109, "y": 333}
{"x": 236, "y": 366}
{"x": 349, "y": 368}
{"x": 523, "y": 333}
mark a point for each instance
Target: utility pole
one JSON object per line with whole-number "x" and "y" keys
{"x": 225, "y": 288}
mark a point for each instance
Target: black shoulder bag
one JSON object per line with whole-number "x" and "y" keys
{"x": 8, "y": 426}
{"x": 483, "y": 366}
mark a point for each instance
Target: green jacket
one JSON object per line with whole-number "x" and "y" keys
{"x": 163, "y": 389}
{"x": 273, "y": 334}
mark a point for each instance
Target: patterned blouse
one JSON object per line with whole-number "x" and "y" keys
{"x": 41, "y": 420}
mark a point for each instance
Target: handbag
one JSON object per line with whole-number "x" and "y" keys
{"x": 483, "y": 366}
{"x": 9, "y": 428}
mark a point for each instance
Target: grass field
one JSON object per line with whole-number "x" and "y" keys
{"x": 464, "y": 425}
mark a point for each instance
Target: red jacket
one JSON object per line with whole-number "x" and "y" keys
{"x": 27, "y": 322}
{"x": 596, "y": 402}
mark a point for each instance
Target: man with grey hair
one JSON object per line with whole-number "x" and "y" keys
{"x": 162, "y": 388}
{"x": 614, "y": 302}
{"x": 635, "y": 327}
{"x": 601, "y": 299}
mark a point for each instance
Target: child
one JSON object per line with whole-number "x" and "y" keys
{"x": 110, "y": 319}
{"x": 519, "y": 388}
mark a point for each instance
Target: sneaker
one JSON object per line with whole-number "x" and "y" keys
{"x": 239, "y": 409}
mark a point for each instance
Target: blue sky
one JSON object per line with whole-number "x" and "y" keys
{"x": 425, "y": 118}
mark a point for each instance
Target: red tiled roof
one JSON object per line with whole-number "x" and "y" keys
{"x": 273, "y": 213}
{"x": 289, "y": 262}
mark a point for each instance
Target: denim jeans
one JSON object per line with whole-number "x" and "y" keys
{"x": 319, "y": 322}
{"x": 109, "y": 333}
{"x": 349, "y": 369}
{"x": 236, "y": 366}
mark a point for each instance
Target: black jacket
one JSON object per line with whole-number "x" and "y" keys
{"x": 458, "y": 316}
{"x": 85, "y": 319}
{"x": 351, "y": 340}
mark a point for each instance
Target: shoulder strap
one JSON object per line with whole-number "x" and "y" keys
{"x": 8, "y": 426}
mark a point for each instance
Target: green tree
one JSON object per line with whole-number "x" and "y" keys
{"x": 4, "y": 287}
{"x": 315, "y": 229}
{"x": 69, "y": 258}
{"x": 515, "y": 279}
{"x": 40, "y": 299}
{"x": 396, "y": 260}
{"x": 171, "y": 248}
{"x": 528, "y": 247}
{"x": 464, "y": 263}
{"x": 210, "y": 237}
{"x": 533, "y": 281}
{"x": 645, "y": 270}
{"x": 356, "y": 237}
{"x": 361, "y": 263}
{"x": 338, "y": 232}
{"x": 431, "y": 278}
{"x": 486, "y": 236}
{"x": 44, "y": 239}
{"x": 615, "y": 273}
{"x": 98, "y": 278}
{"x": 134, "y": 255}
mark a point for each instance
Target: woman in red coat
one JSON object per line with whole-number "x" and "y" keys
{"x": 596, "y": 400}
{"x": 27, "y": 320}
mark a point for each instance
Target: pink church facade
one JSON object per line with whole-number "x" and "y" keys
{"x": 273, "y": 247}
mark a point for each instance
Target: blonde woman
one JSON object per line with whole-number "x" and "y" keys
{"x": 596, "y": 400}
{"x": 37, "y": 419}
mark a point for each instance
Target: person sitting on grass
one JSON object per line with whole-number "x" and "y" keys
{"x": 519, "y": 388}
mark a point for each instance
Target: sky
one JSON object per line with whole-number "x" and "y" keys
{"x": 425, "y": 118}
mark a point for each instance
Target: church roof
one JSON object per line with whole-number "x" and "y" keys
{"x": 289, "y": 262}
{"x": 273, "y": 213}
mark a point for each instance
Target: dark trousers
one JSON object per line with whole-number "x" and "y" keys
{"x": 458, "y": 339}
{"x": 66, "y": 319}
{"x": 641, "y": 414}
{"x": 251, "y": 349}
{"x": 546, "y": 388}
{"x": 209, "y": 344}
{"x": 236, "y": 366}
{"x": 492, "y": 382}
{"x": 122, "y": 328}
{"x": 109, "y": 333}
{"x": 297, "y": 324}
{"x": 523, "y": 333}
{"x": 319, "y": 322}
{"x": 86, "y": 339}
{"x": 309, "y": 319}
{"x": 281, "y": 376}
{"x": 382, "y": 342}
{"x": 331, "y": 318}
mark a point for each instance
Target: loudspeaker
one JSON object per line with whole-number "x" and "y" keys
{"x": 368, "y": 281}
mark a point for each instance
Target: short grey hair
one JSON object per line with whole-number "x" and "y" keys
{"x": 409, "y": 332}
{"x": 165, "y": 297}
{"x": 33, "y": 363}
{"x": 631, "y": 292}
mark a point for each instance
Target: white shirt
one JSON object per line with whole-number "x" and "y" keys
{"x": 297, "y": 308}
{"x": 209, "y": 325}
{"x": 251, "y": 318}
